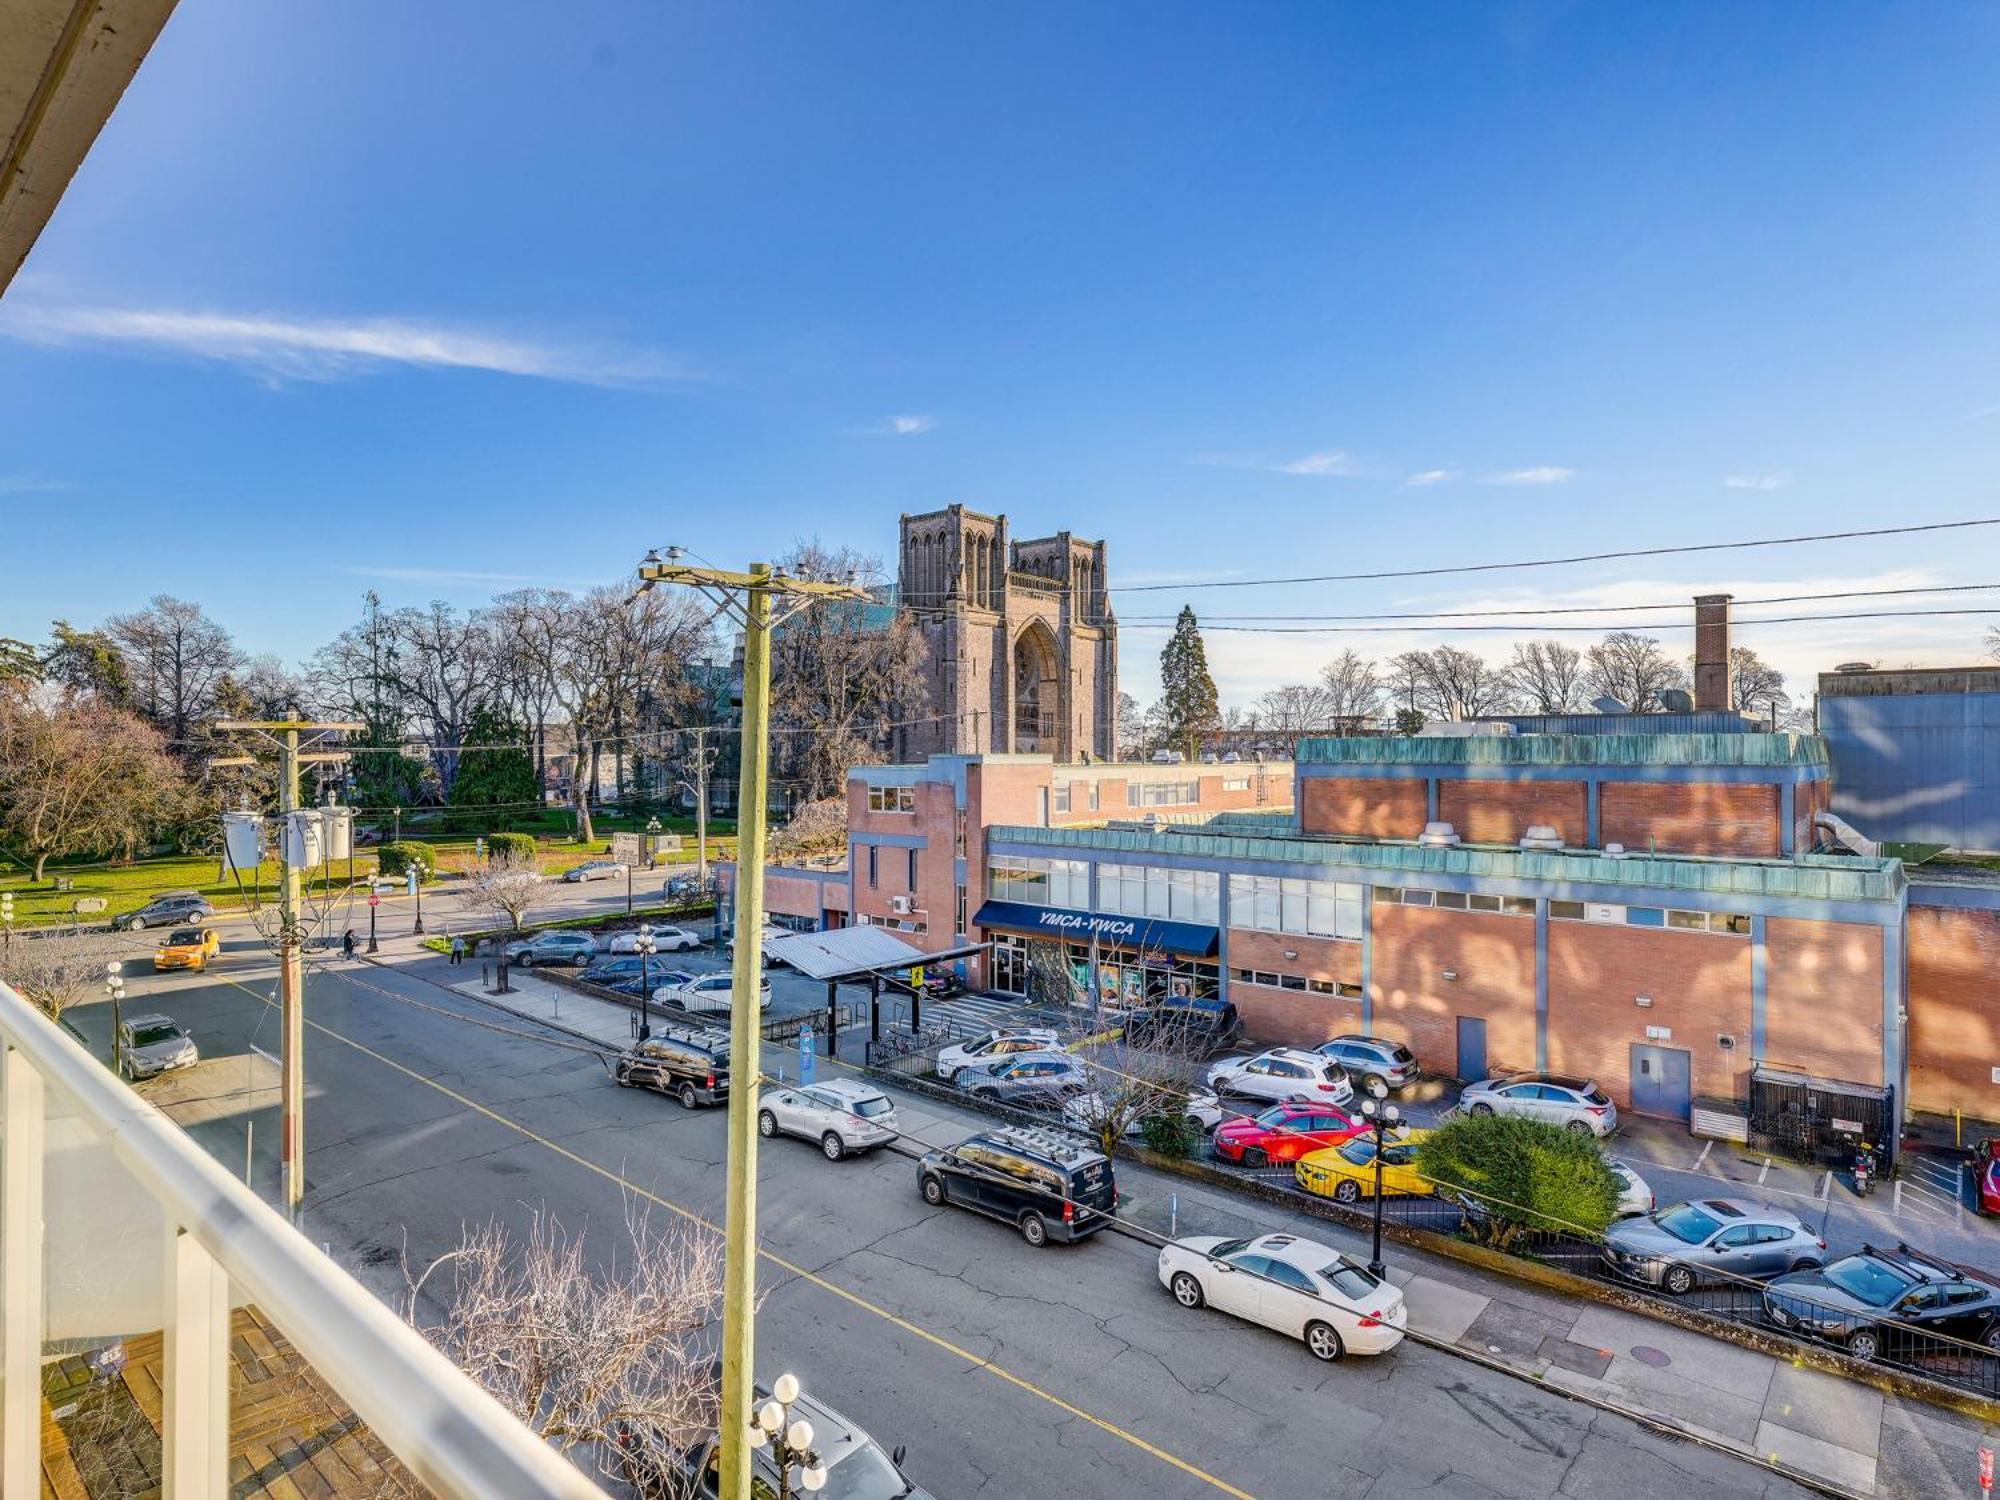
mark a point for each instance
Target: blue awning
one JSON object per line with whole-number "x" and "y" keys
{"x": 1145, "y": 934}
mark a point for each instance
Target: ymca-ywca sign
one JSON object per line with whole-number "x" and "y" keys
{"x": 1131, "y": 932}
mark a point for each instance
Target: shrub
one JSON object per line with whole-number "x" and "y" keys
{"x": 1518, "y": 1175}
{"x": 1172, "y": 1134}
{"x": 512, "y": 846}
{"x": 395, "y": 860}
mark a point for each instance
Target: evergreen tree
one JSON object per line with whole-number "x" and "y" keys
{"x": 501, "y": 779}
{"x": 1187, "y": 692}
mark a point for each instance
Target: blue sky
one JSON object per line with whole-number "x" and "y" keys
{"x": 441, "y": 298}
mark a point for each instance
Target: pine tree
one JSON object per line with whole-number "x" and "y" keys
{"x": 1187, "y": 692}
{"x": 503, "y": 778}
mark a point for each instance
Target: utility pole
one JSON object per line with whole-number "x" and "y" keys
{"x": 699, "y": 787}
{"x": 284, "y": 733}
{"x": 748, "y": 597}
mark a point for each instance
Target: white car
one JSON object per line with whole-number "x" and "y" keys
{"x": 1295, "y": 1286}
{"x": 665, "y": 940}
{"x": 1634, "y": 1196}
{"x": 993, "y": 1045}
{"x": 840, "y": 1114}
{"x": 1087, "y": 1111}
{"x": 1283, "y": 1075}
{"x": 709, "y": 992}
{"x": 1563, "y": 1099}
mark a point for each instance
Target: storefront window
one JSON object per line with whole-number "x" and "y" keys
{"x": 1039, "y": 882}
{"x": 1148, "y": 891}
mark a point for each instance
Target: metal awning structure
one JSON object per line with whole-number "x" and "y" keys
{"x": 850, "y": 953}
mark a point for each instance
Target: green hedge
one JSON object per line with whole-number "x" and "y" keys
{"x": 396, "y": 860}
{"x": 520, "y": 846}
{"x": 1522, "y": 1175}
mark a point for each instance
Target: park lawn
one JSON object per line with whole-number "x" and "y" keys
{"x": 127, "y": 887}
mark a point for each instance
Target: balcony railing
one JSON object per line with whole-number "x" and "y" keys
{"x": 115, "y": 1224}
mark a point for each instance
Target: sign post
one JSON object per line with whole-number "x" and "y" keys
{"x": 1986, "y": 1470}
{"x": 807, "y": 1050}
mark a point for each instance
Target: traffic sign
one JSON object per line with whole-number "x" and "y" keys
{"x": 374, "y": 899}
{"x": 1986, "y": 1468}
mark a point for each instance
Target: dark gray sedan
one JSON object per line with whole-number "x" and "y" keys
{"x": 1712, "y": 1239}
{"x": 1031, "y": 1080}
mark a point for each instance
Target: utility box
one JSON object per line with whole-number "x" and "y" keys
{"x": 336, "y": 832}
{"x": 243, "y": 840}
{"x": 302, "y": 847}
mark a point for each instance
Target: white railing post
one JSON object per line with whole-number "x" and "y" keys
{"x": 21, "y": 1305}
{"x": 195, "y": 1422}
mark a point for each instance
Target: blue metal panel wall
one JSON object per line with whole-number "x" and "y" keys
{"x": 1918, "y": 768}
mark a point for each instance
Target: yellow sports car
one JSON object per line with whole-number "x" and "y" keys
{"x": 1346, "y": 1173}
{"x": 187, "y": 948}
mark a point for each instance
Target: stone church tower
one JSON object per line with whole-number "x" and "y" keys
{"x": 1023, "y": 647}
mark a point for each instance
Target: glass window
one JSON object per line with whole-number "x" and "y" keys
{"x": 1236, "y": 783}
{"x": 1689, "y": 921}
{"x": 1287, "y": 1275}
{"x": 1320, "y": 986}
{"x": 1263, "y": 978}
{"x": 1729, "y": 922}
{"x": 1567, "y": 911}
{"x": 1416, "y": 898}
{"x": 1292, "y": 981}
{"x": 1455, "y": 900}
{"x": 1484, "y": 903}
{"x": 1645, "y": 916}
{"x": 1388, "y": 893}
{"x": 1060, "y": 797}
{"x": 1518, "y": 906}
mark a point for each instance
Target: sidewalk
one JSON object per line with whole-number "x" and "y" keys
{"x": 1836, "y": 1434}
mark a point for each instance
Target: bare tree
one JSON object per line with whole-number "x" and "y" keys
{"x": 1634, "y": 670}
{"x": 57, "y": 967}
{"x": 80, "y": 778}
{"x": 1755, "y": 686}
{"x": 616, "y": 1356}
{"x": 816, "y": 828}
{"x": 1993, "y": 642}
{"x": 1295, "y": 712}
{"x": 1547, "y": 675}
{"x": 1447, "y": 683}
{"x": 175, "y": 658}
{"x": 507, "y": 886}
{"x": 1132, "y": 733}
{"x": 1353, "y": 690}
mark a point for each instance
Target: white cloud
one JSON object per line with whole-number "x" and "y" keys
{"x": 1540, "y": 474}
{"x": 1769, "y": 479}
{"x": 32, "y": 484}
{"x": 282, "y": 347}
{"x": 1331, "y": 462}
{"x": 1322, "y": 464}
{"x": 1431, "y": 476}
{"x": 907, "y": 424}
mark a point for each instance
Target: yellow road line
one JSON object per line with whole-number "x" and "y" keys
{"x": 1017, "y": 1381}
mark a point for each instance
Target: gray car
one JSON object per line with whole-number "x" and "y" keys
{"x": 1031, "y": 1080}
{"x": 1553, "y": 1098}
{"x": 552, "y": 948}
{"x": 1710, "y": 1240}
{"x": 152, "y": 1045}
{"x": 177, "y": 910}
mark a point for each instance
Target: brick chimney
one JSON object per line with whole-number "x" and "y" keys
{"x": 1711, "y": 651}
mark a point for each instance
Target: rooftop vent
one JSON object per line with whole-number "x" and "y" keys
{"x": 1609, "y": 705}
{"x": 1849, "y": 668}
{"x": 1615, "y": 851}
{"x": 1438, "y": 836}
{"x": 1541, "y": 836}
{"x": 1677, "y": 700}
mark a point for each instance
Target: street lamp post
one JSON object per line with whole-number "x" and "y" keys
{"x": 647, "y": 948}
{"x": 114, "y": 986}
{"x": 652, "y": 842}
{"x": 1382, "y": 1119}
{"x": 760, "y": 600}
{"x": 791, "y": 1441}
{"x": 417, "y": 890}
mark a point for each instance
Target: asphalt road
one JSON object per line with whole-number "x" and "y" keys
{"x": 1007, "y": 1372}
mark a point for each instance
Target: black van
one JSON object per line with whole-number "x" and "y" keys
{"x": 1185, "y": 1023}
{"x": 690, "y": 1064}
{"x": 1047, "y": 1185}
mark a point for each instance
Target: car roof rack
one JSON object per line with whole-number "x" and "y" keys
{"x": 714, "y": 1038}
{"x": 1039, "y": 1139}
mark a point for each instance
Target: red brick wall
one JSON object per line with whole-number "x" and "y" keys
{"x": 1499, "y": 812}
{"x": 1954, "y": 1031}
{"x": 1494, "y": 959}
{"x": 1681, "y": 817}
{"x": 1332, "y": 959}
{"x": 1699, "y": 984}
{"x": 998, "y": 792}
{"x": 1823, "y": 998}
{"x": 791, "y": 895}
{"x": 1295, "y": 1017}
{"x": 1362, "y": 806}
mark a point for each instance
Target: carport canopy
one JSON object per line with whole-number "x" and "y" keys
{"x": 851, "y": 953}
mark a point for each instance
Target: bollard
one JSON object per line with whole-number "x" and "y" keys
{"x": 1173, "y": 1216}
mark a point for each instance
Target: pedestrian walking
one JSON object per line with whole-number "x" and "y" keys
{"x": 347, "y": 944}
{"x": 457, "y": 949}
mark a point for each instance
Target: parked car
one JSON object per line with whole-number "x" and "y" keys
{"x": 1033, "y": 1080}
{"x": 685, "y": 887}
{"x": 1881, "y": 1303}
{"x": 1282, "y": 1075}
{"x": 1709, "y": 1240}
{"x": 691, "y": 1065}
{"x": 988, "y": 1045}
{"x": 1554, "y": 1098}
{"x": 1346, "y": 1173}
{"x": 187, "y": 948}
{"x": 856, "y": 1466}
{"x": 1986, "y": 1176}
{"x": 665, "y": 940}
{"x": 1294, "y": 1286}
{"x": 1373, "y": 1059}
{"x": 1046, "y": 1185}
{"x": 553, "y": 947}
{"x": 1088, "y": 1110}
{"x": 608, "y": 968}
{"x": 1185, "y": 1023}
{"x": 151, "y": 1045}
{"x": 1634, "y": 1196}
{"x": 178, "y": 910}
{"x": 1283, "y": 1133}
{"x": 595, "y": 869}
{"x": 704, "y": 992}
{"x": 840, "y": 1114}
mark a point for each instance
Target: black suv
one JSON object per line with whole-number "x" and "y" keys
{"x": 1049, "y": 1186}
{"x": 692, "y": 1065}
{"x": 1889, "y": 1304}
{"x": 1180, "y": 1021}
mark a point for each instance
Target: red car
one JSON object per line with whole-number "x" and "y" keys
{"x": 1284, "y": 1132}
{"x": 1986, "y": 1176}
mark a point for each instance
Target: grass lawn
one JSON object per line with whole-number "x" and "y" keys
{"x": 129, "y": 887}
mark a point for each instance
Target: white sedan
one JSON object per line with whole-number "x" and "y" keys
{"x": 991, "y": 1046}
{"x": 1294, "y": 1286}
{"x": 665, "y": 940}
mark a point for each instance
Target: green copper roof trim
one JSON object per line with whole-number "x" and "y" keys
{"x": 1815, "y": 877}
{"x": 1779, "y": 751}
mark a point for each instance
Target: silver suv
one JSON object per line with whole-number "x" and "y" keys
{"x": 1371, "y": 1057}
{"x": 551, "y": 948}
{"x": 1282, "y": 1075}
{"x": 1553, "y": 1098}
{"x": 840, "y": 1114}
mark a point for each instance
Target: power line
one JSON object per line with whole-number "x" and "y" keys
{"x": 1631, "y": 625}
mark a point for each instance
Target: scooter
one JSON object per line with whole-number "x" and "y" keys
{"x": 1864, "y": 1171}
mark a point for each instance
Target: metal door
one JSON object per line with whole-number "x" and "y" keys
{"x": 1661, "y": 1082}
{"x": 1471, "y": 1048}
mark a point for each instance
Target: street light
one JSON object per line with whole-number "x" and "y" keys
{"x": 791, "y": 1441}
{"x": 652, "y": 842}
{"x": 1382, "y": 1119}
{"x": 114, "y": 986}
{"x": 647, "y": 948}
